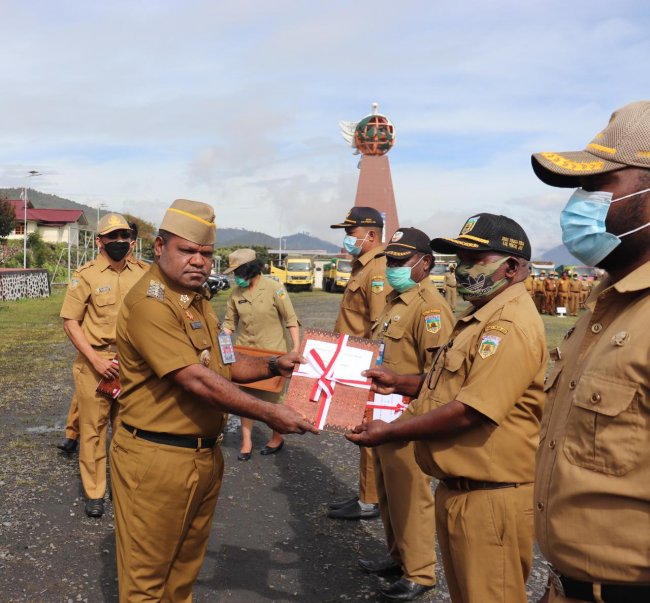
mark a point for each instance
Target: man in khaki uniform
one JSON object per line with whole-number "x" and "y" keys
{"x": 363, "y": 300}
{"x": 575, "y": 293}
{"x": 477, "y": 413}
{"x": 563, "y": 287}
{"x": 550, "y": 294}
{"x": 529, "y": 283}
{"x": 89, "y": 314}
{"x": 450, "y": 286}
{"x": 592, "y": 490}
{"x": 585, "y": 291}
{"x": 414, "y": 324}
{"x": 71, "y": 435}
{"x": 175, "y": 375}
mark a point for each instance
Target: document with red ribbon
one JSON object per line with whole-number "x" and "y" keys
{"x": 388, "y": 407}
{"x": 110, "y": 388}
{"x": 329, "y": 389}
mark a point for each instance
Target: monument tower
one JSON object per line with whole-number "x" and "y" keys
{"x": 373, "y": 137}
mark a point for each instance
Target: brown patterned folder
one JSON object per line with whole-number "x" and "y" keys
{"x": 273, "y": 384}
{"x": 110, "y": 388}
{"x": 347, "y": 403}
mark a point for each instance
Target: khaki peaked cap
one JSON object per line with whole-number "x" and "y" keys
{"x": 191, "y": 220}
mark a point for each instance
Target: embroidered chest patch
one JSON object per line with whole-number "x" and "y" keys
{"x": 488, "y": 345}
{"x": 377, "y": 284}
{"x": 432, "y": 322}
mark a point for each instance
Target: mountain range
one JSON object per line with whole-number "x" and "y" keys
{"x": 226, "y": 237}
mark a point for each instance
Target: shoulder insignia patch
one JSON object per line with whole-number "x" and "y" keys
{"x": 432, "y": 321}
{"x": 377, "y": 284}
{"x": 281, "y": 293}
{"x": 184, "y": 298}
{"x": 74, "y": 283}
{"x": 156, "y": 290}
{"x": 497, "y": 328}
{"x": 488, "y": 345}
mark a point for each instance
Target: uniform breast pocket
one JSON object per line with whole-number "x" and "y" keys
{"x": 394, "y": 332}
{"x": 549, "y": 388}
{"x": 106, "y": 304}
{"x": 605, "y": 425}
{"x": 448, "y": 375}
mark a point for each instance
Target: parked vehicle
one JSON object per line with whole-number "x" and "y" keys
{"x": 296, "y": 273}
{"x": 336, "y": 274}
{"x": 217, "y": 282}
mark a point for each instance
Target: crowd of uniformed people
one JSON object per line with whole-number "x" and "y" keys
{"x": 518, "y": 454}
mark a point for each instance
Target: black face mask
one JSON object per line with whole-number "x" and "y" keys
{"x": 116, "y": 250}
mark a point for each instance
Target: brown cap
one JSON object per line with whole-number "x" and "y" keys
{"x": 191, "y": 220}
{"x": 361, "y": 216}
{"x": 405, "y": 243}
{"x": 111, "y": 222}
{"x": 238, "y": 258}
{"x": 623, "y": 143}
{"x": 487, "y": 232}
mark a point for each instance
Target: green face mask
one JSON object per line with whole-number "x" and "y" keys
{"x": 476, "y": 281}
{"x": 241, "y": 282}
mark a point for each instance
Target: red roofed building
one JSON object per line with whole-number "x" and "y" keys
{"x": 54, "y": 225}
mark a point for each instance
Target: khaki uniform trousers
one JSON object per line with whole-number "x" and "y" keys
{"x": 94, "y": 418}
{"x": 540, "y": 301}
{"x": 72, "y": 420}
{"x": 486, "y": 541}
{"x": 164, "y": 499}
{"x": 407, "y": 511}
{"x": 563, "y": 300}
{"x": 549, "y": 303}
{"x": 367, "y": 478}
{"x": 574, "y": 299}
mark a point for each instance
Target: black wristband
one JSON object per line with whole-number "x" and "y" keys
{"x": 274, "y": 369}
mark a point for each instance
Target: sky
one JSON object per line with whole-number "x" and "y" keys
{"x": 134, "y": 104}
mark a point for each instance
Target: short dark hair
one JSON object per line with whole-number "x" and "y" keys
{"x": 134, "y": 230}
{"x": 250, "y": 270}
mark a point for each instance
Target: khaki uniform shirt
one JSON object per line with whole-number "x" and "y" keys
{"x": 261, "y": 315}
{"x": 494, "y": 363}
{"x": 412, "y": 325}
{"x": 563, "y": 286}
{"x": 592, "y": 493}
{"x": 575, "y": 287}
{"x": 365, "y": 295}
{"x": 538, "y": 285}
{"x": 550, "y": 285}
{"x": 95, "y": 294}
{"x": 529, "y": 283}
{"x": 162, "y": 328}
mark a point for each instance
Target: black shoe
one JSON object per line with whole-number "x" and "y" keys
{"x": 68, "y": 445}
{"x": 339, "y": 504}
{"x": 381, "y": 567}
{"x": 404, "y": 590}
{"x": 244, "y": 456}
{"x": 94, "y": 507}
{"x": 355, "y": 511}
{"x": 272, "y": 450}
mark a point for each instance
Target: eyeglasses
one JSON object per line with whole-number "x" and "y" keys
{"x": 117, "y": 234}
{"x": 442, "y": 356}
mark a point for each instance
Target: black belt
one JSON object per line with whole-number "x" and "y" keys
{"x": 610, "y": 593}
{"x": 462, "y": 483}
{"x": 170, "y": 439}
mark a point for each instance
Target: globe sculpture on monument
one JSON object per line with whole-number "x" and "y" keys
{"x": 373, "y": 136}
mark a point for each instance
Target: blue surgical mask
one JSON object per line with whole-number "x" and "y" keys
{"x": 583, "y": 225}
{"x": 350, "y": 244}
{"x": 242, "y": 282}
{"x": 399, "y": 277}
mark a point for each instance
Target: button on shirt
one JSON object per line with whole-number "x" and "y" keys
{"x": 593, "y": 462}
{"x": 365, "y": 295}
{"x": 162, "y": 328}
{"x": 495, "y": 363}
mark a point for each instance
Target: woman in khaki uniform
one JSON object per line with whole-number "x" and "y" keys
{"x": 260, "y": 308}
